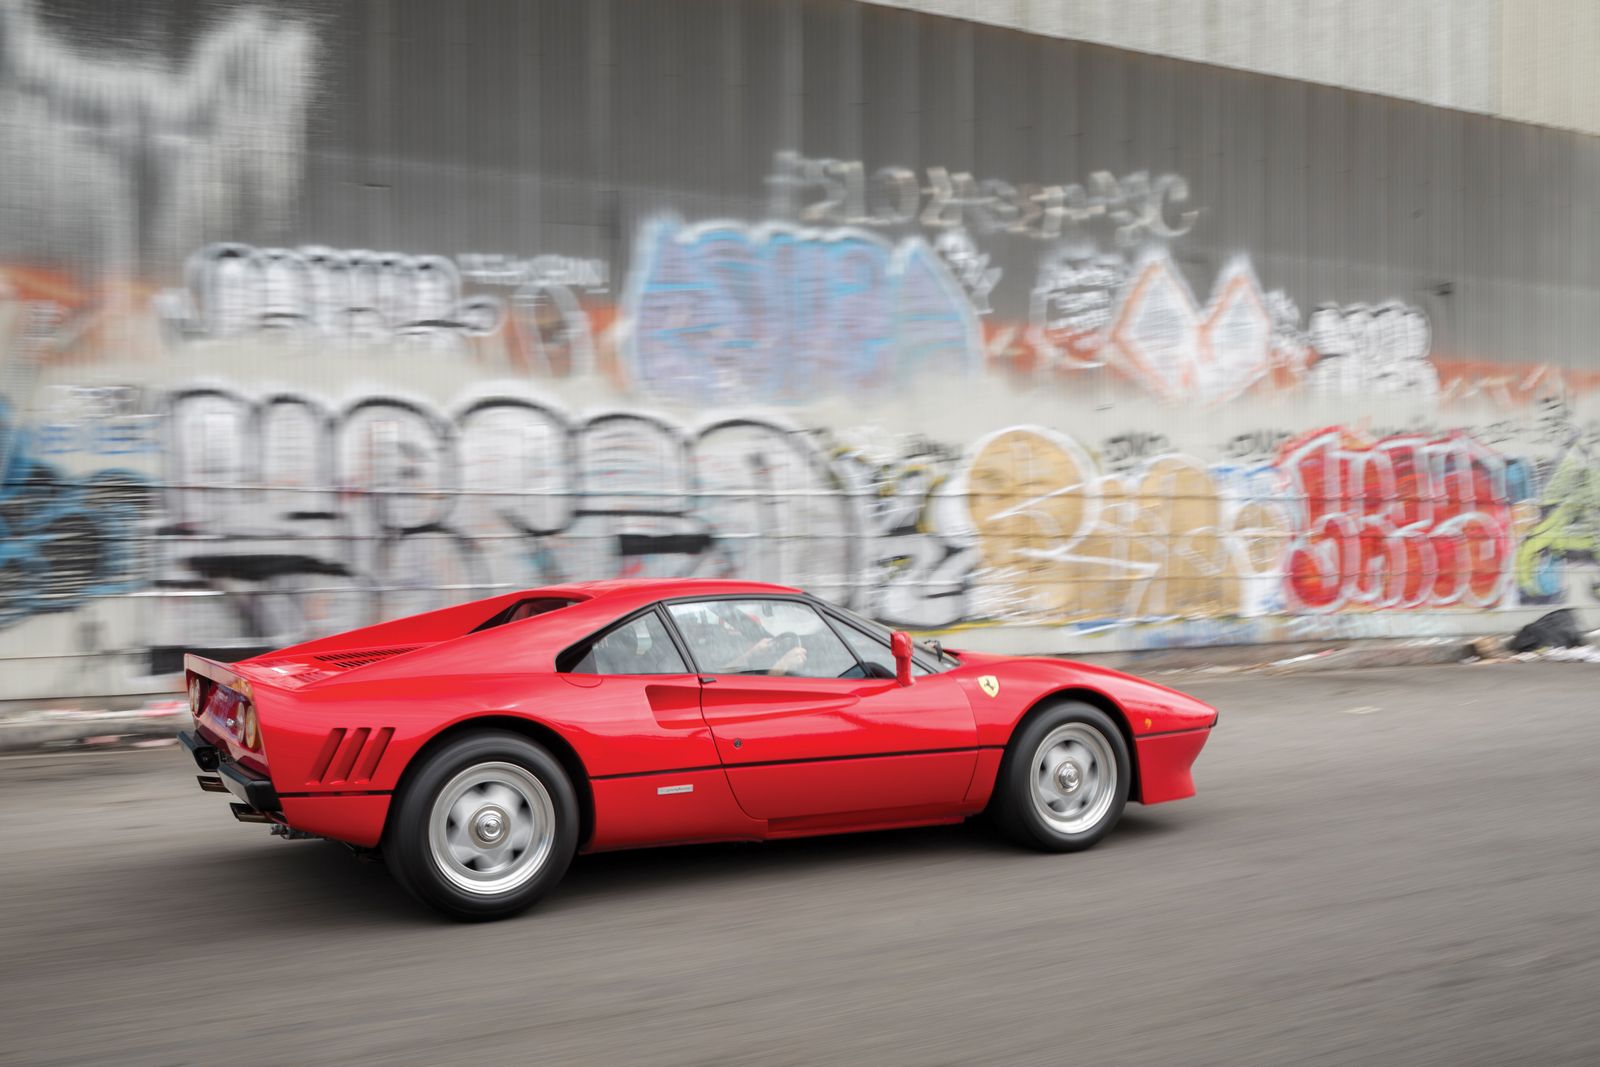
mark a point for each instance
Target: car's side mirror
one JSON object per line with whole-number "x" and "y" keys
{"x": 900, "y": 645}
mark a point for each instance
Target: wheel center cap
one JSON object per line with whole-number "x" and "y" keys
{"x": 489, "y": 826}
{"x": 1069, "y": 777}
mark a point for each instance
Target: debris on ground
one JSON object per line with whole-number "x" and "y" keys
{"x": 1557, "y": 636}
{"x": 1580, "y": 654}
{"x": 1556, "y": 629}
{"x": 1489, "y": 647}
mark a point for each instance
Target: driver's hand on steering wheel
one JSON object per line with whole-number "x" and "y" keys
{"x": 791, "y": 661}
{"x": 749, "y": 655}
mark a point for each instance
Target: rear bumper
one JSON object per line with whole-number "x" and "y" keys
{"x": 255, "y": 790}
{"x": 1166, "y": 764}
{"x": 354, "y": 818}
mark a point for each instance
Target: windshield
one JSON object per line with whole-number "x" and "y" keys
{"x": 927, "y": 653}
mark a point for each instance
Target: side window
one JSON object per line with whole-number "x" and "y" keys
{"x": 641, "y": 646}
{"x": 762, "y": 637}
{"x": 875, "y": 655}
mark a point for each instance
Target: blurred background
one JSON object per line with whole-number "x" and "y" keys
{"x": 1073, "y": 327}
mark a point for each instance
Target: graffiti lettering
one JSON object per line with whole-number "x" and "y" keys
{"x": 1397, "y": 524}
{"x": 1371, "y": 351}
{"x": 65, "y": 540}
{"x": 177, "y": 146}
{"x": 516, "y": 272}
{"x": 1060, "y": 540}
{"x": 1567, "y": 531}
{"x": 835, "y": 192}
{"x": 236, "y": 290}
{"x": 726, "y": 312}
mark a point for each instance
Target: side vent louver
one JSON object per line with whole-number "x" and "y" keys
{"x": 350, "y": 757}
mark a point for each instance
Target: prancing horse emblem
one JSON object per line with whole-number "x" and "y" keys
{"x": 989, "y": 684}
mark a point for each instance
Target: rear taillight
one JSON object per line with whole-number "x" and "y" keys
{"x": 226, "y": 709}
{"x": 249, "y": 728}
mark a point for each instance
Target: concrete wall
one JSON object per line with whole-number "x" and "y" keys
{"x": 1548, "y": 69}
{"x": 1530, "y": 60}
{"x": 313, "y": 315}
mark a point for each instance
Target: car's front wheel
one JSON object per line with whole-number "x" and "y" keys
{"x": 1064, "y": 780}
{"x": 484, "y": 827}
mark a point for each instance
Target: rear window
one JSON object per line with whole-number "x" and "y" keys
{"x": 523, "y": 609}
{"x": 640, "y": 645}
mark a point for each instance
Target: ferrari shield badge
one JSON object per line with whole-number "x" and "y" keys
{"x": 989, "y": 684}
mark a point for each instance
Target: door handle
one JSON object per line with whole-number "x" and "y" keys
{"x": 705, "y": 680}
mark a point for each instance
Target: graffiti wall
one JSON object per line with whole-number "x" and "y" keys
{"x": 274, "y": 363}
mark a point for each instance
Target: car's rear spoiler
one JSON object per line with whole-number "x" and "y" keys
{"x": 221, "y": 673}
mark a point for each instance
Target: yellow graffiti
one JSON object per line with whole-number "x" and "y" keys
{"x": 1068, "y": 543}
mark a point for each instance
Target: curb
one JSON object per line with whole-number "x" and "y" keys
{"x": 1290, "y": 658}
{"x": 1359, "y": 655}
{"x": 156, "y": 723}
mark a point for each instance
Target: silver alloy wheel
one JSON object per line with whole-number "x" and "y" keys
{"x": 1074, "y": 777}
{"x": 491, "y": 828}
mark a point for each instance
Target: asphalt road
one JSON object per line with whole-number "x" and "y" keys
{"x": 1383, "y": 867}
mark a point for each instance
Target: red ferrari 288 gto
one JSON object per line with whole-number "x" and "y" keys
{"x": 479, "y": 747}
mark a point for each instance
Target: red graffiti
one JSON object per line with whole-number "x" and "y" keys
{"x": 1403, "y": 523}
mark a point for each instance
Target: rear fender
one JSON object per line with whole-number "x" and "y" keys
{"x": 535, "y": 730}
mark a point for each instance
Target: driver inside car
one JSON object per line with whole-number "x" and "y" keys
{"x": 746, "y": 647}
{"x": 775, "y": 655}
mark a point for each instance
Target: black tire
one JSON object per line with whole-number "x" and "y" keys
{"x": 1014, "y": 807}
{"x": 514, "y": 771}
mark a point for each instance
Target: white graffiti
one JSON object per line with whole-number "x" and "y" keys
{"x": 1366, "y": 351}
{"x": 337, "y": 514}
{"x": 968, "y": 266}
{"x": 138, "y": 160}
{"x": 1073, "y": 302}
{"x": 546, "y": 305}
{"x": 840, "y": 192}
{"x": 521, "y": 271}
{"x": 1180, "y": 350}
{"x": 235, "y": 290}
{"x": 1091, "y": 308}
{"x": 918, "y": 556}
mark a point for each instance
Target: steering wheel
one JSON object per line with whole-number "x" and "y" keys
{"x": 786, "y": 641}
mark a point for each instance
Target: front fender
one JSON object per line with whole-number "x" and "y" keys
{"x": 1020, "y": 683}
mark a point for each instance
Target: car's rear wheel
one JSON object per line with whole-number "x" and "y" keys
{"x": 484, "y": 827}
{"x": 1064, "y": 780}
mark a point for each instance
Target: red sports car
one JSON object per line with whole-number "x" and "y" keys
{"x": 480, "y": 746}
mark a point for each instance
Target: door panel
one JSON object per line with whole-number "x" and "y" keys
{"x": 812, "y": 746}
{"x": 849, "y": 786}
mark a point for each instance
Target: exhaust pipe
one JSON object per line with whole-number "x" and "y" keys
{"x": 248, "y": 814}
{"x": 211, "y": 783}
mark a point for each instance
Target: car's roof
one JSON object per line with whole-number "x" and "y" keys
{"x": 660, "y": 588}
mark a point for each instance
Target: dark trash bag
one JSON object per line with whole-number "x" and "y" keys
{"x": 1559, "y": 629}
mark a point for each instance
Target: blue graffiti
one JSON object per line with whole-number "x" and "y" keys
{"x": 727, "y": 312}
{"x": 137, "y": 435}
{"x": 63, "y": 539}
